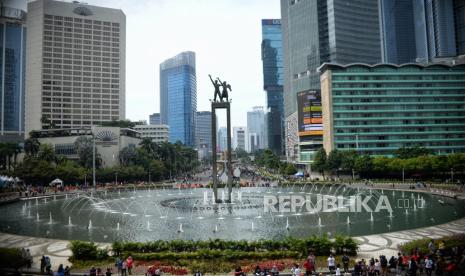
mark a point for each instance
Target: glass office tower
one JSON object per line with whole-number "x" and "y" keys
{"x": 178, "y": 97}
{"x": 12, "y": 73}
{"x": 272, "y": 59}
{"x": 340, "y": 31}
{"x": 377, "y": 109}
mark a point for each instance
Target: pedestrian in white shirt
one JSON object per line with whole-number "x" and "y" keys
{"x": 331, "y": 263}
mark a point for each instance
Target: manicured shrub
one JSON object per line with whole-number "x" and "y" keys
{"x": 11, "y": 258}
{"x": 87, "y": 251}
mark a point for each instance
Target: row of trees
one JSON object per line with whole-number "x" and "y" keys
{"x": 154, "y": 161}
{"x": 270, "y": 160}
{"x": 410, "y": 162}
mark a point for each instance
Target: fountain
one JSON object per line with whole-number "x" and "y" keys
{"x": 213, "y": 198}
{"x": 348, "y": 220}
{"x": 414, "y": 206}
{"x": 50, "y": 220}
{"x": 216, "y": 228}
{"x": 37, "y": 217}
{"x": 371, "y": 217}
{"x": 390, "y": 215}
{"x": 90, "y": 225}
{"x": 253, "y": 228}
{"x": 382, "y": 191}
{"x": 91, "y": 194}
{"x": 393, "y": 193}
{"x": 287, "y": 223}
{"x": 69, "y": 221}
{"x": 205, "y": 198}
{"x": 54, "y": 197}
{"x": 66, "y": 196}
{"x": 117, "y": 226}
{"x": 105, "y": 193}
{"x": 45, "y": 200}
{"x": 406, "y": 212}
{"x": 148, "y": 225}
{"x": 403, "y": 194}
{"x": 319, "y": 222}
{"x": 239, "y": 196}
{"x": 222, "y": 196}
{"x": 180, "y": 228}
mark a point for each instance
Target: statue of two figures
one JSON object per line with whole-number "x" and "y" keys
{"x": 223, "y": 95}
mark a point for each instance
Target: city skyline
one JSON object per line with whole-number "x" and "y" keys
{"x": 204, "y": 25}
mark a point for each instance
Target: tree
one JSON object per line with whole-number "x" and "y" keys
{"x": 46, "y": 153}
{"x": 127, "y": 156}
{"x": 84, "y": 147}
{"x": 319, "y": 161}
{"x": 334, "y": 161}
{"x": 31, "y": 146}
{"x": 405, "y": 152}
{"x": 364, "y": 164}
{"x": 290, "y": 169}
{"x": 349, "y": 158}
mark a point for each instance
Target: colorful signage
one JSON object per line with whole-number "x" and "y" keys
{"x": 309, "y": 113}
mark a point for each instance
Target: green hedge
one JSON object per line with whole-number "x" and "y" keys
{"x": 11, "y": 258}
{"x": 87, "y": 251}
{"x": 206, "y": 254}
{"x": 320, "y": 245}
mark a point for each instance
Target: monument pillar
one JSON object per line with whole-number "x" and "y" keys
{"x": 228, "y": 164}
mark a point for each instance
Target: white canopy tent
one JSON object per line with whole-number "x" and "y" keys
{"x": 57, "y": 181}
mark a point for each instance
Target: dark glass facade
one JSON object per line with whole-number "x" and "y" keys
{"x": 12, "y": 73}
{"x": 397, "y": 31}
{"x": 459, "y": 16}
{"x": 272, "y": 59}
{"x": 178, "y": 97}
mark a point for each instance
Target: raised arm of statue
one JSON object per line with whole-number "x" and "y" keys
{"x": 211, "y": 79}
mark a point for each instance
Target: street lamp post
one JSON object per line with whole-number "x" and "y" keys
{"x": 452, "y": 175}
{"x": 150, "y": 181}
{"x": 353, "y": 174}
{"x": 116, "y": 178}
{"x": 403, "y": 174}
{"x": 93, "y": 158}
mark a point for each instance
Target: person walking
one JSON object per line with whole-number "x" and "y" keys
{"x": 48, "y": 265}
{"x": 60, "y": 271}
{"x": 296, "y": 270}
{"x": 345, "y": 262}
{"x": 124, "y": 267}
{"x": 428, "y": 266}
{"x": 42, "y": 264}
{"x": 130, "y": 263}
{"x": 412, "y": 267}
{"x": 331, "y": 263}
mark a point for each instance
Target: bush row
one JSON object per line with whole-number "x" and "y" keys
{"x": 206, "y": 254}
{"x": 320, "y": 245}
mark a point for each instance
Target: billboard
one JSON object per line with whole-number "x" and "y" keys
{"x": 310, "y": 118}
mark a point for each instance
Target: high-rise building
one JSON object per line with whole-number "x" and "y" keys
{"x": 178, "y": 97}
{"x": 397, "y": 31}
{"x": 203, "y": 130}
{"x": 75, "y": 65}
{"x": 459, "y": 17}
{"x": 272, "y": 59}
{"x": 256, "y": 129}
{"x": 434, "y": 29}
{"x": 12, "y": 72}
{"x": 155, "y": 119}
{"x": 239, "y": 139}
{"x": 340, "y": 31}
{"x": 222, "y": 139}
{"x": 364, "y": 111}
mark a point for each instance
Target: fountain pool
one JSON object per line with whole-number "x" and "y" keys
{"x": 143, "y": 215}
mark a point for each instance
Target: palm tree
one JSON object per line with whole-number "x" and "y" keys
{"x": 31, "y": 146}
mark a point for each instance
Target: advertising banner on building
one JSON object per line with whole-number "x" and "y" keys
{"x": 309, "y": 113}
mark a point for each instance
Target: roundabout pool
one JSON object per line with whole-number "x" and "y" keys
{"x": 256, "y": 213}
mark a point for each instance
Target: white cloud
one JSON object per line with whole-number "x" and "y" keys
{"x": 224, "y": 34}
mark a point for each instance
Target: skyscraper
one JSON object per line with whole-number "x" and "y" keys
{"x": 272, "y": 59}
{"x": 397, "y": 31}
{"x": 459, "y": 16}
{"x": 203, "y": 130}
{"x": 12, "y": 73}
{"x": 75, "y": 65}
{"x": 178, "y": 97}
{"x": 239, "y": 140}
{"x": 222, "y": 139}
{"x": 434, "y": 29}
{"x": 256, "y": 129}
{"x": 340, "y": 31}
